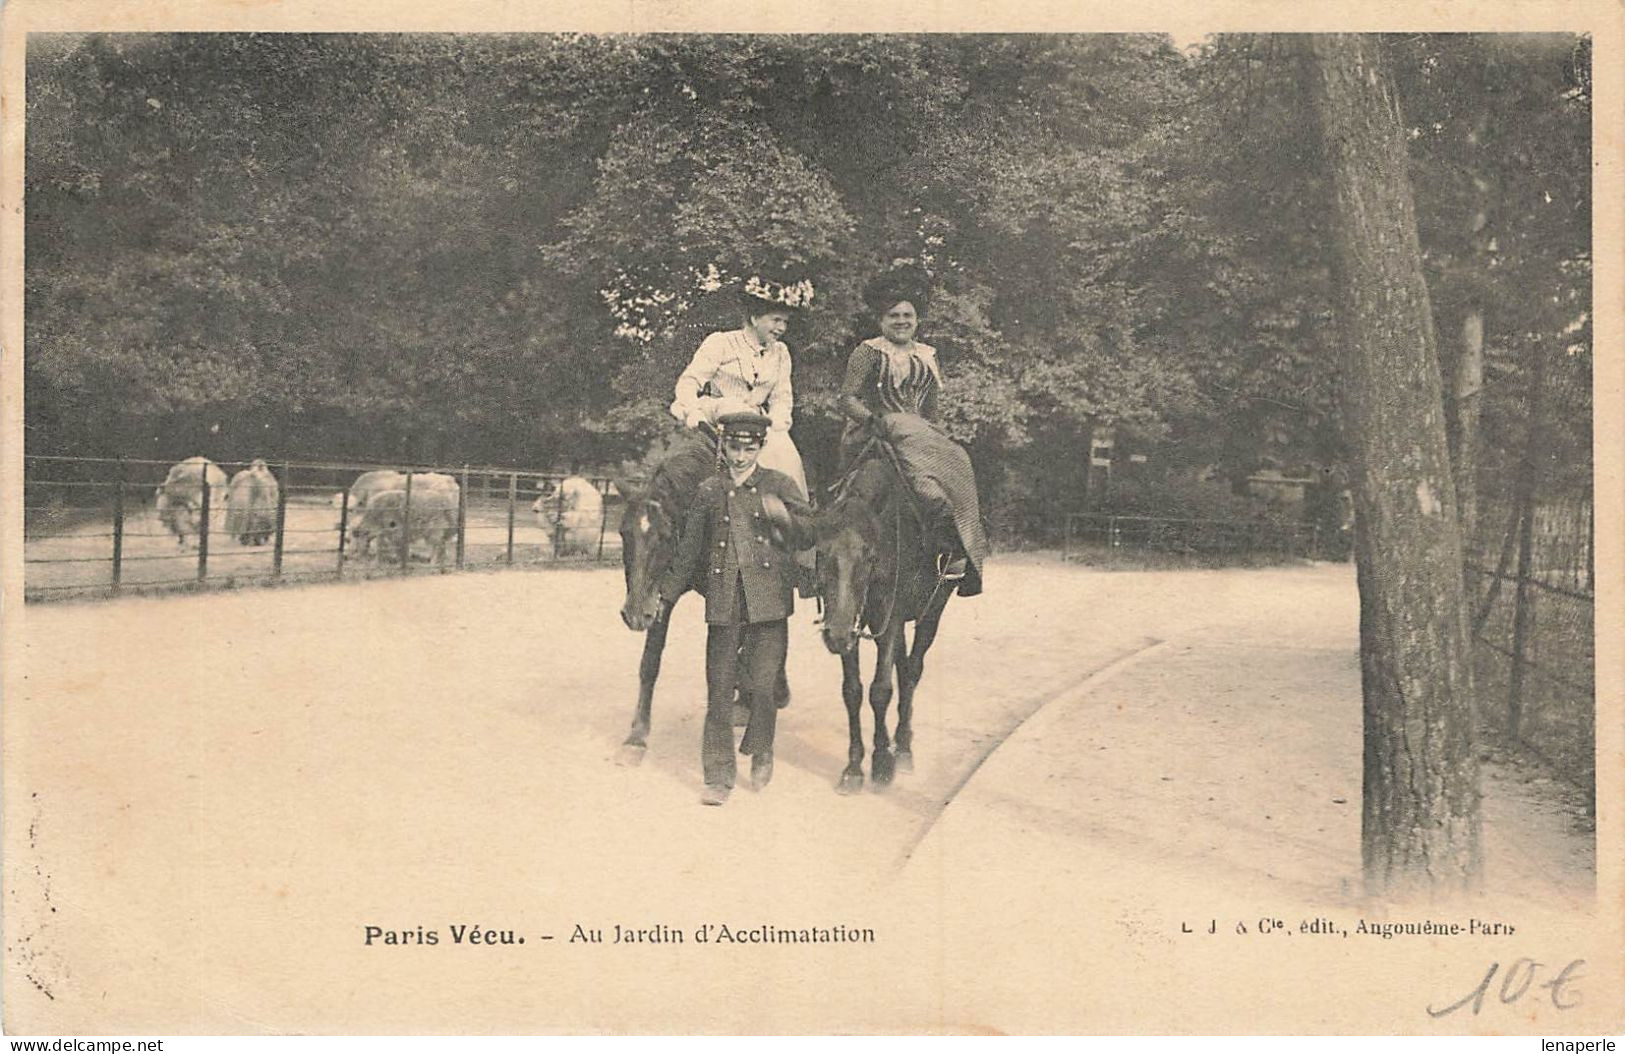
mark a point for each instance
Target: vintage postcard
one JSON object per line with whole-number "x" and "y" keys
{"x": 954, "y": 518}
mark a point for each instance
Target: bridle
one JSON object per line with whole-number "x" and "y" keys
{"x": 839, "y": 490}
{"x": 659, "y": 532}
{"x": 896, "y": 578}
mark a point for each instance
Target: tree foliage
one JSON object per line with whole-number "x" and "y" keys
{"x": 503, "y": 248}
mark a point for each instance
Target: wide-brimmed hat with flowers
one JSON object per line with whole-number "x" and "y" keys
{"x": 758, "y": 292}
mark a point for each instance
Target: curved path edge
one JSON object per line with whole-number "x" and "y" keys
{"x": 1066, "y": 693}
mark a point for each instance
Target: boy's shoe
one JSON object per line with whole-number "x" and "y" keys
{"x": 714, "y": 794}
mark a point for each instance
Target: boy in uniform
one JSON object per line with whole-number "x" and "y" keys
{"x": 741, "y": 532}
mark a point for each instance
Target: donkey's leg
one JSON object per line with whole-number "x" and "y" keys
{"x": 882, "y": 767}
{"x": 905, "y": 701}
{"x": 654, "y": 645}
{"x": 909, "y": 672}
{"x": 852, "y": 696}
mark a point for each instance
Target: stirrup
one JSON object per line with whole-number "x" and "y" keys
{"x": 951, "y": 570}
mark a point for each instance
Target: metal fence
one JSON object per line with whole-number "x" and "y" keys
{"x": 1531, "y": 572}
{"x": 1092, "y": 531}
{"x": 92, "y": 527}
{"x": 1531, "y": 577}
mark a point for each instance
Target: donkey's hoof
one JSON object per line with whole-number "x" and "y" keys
{"x": 851, "y": 783}
{"x": 905, "y": 761}
{"x": 630, "y": 754}
{"x": 883, "y": 768}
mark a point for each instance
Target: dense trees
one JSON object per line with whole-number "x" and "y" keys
{"x": 496, "y": 248}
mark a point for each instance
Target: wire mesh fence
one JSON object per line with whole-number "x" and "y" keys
{"x": 1531, "y": 568}
{"x": 98, "y": 526}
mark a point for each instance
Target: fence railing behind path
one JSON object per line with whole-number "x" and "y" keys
{"x": 1086, "y": 531}
{"x": 96, "y": 526}
{"x": 1532, "y": 589}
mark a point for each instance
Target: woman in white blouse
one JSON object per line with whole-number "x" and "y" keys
{"x": 749, "y": 369}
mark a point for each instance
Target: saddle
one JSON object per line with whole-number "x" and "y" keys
{"x": 933, "y": 513}
{"x": 941, "y": 487}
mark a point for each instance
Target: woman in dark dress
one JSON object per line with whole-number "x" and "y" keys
{"x": 890, "y": 373}
{"x": 890, "y": 394}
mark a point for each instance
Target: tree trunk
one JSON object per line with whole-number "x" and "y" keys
{"x": 1421, "y": 827}
{"x": 1468, "y": 380}
{"x": 1469, "y": 383}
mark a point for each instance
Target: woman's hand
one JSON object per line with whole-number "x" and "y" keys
{"x": 853, "y": 408}
{"x": 703, "y": 412}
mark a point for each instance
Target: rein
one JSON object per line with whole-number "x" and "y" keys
{"x": 837, "y": 490}
{"x": 906, "y": 493}
{"x": 896, "y": 576}
{"x": 919, "y": 518}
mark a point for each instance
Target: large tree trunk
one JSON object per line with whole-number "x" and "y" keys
{"x": 1468, "y": 387}
{"x": 1468, "y": 380}
{"x": 1421, "y": 805}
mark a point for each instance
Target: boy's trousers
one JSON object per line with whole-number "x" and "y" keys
{"x": 748, "y": 656}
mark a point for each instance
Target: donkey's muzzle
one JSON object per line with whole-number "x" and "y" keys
{"x": 637, "y": 617}
{"x": 837, "y": 642}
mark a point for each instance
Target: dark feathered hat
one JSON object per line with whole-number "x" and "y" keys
{"x": 904, "y": 281}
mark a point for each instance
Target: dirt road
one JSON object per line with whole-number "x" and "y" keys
{"x": 223, "y": 792}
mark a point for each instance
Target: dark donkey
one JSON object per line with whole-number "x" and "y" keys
{"x": 651, "y": 523}
{"x": 878, "y": 572}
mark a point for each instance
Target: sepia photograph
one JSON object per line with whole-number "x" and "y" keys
{"x": 707, "y": 523}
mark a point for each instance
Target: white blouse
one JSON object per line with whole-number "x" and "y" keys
{"x": 730, "y": 367}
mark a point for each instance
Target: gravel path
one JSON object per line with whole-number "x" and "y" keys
{"x": 223, "y": 791}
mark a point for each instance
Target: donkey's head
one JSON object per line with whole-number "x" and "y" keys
{"x": 854, "y": 554}
{"x": 846, "y": 560}
{"x": 648, "y": 542}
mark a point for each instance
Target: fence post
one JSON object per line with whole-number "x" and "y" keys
{"x": 344, "y": 526}
{"x": 603, "y": 519}
{"x": 203, "y": 528}
{"x": 1522, "y": 613}
{"x": 1111, "y": 531}
{"x": 513, "y": 497}
{"x": 462, "y": 516}
{"x": 1524, "y": 498}
{"x": 118, "y": 527}
{"x": 281, "y": 519}
{"x": 558, "y": 519}
{"x": 406, "y": 525}
{"x": 1066, "y": 537}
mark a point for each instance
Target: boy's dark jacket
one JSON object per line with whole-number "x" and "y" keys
{"x": 726, "y": 539}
